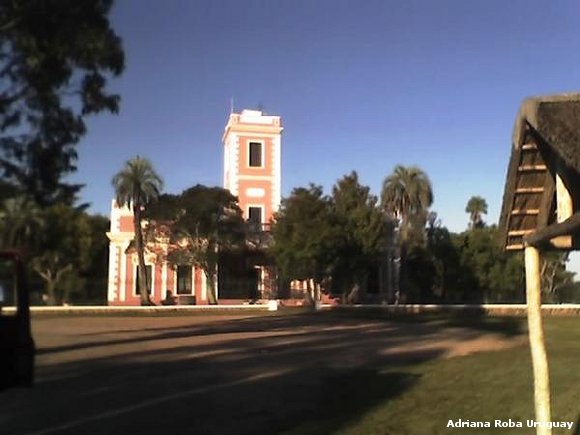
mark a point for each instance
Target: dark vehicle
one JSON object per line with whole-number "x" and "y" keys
{"x": 16, "y": 343}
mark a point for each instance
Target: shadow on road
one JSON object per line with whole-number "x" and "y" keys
{"x": 293, "y": 374}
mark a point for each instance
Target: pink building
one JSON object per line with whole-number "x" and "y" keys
{"x": 252, "y": 172}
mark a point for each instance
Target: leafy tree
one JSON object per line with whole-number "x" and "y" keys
{"x": 55, "y": 59}
{"x": 553, "y": 274}
{"x": 95, "y": 274}
{"x": 476, "y": 207}
{"x": 362, "y": 228}
{"x": 137, "y": 185}
{"x": 20, "y": 223}
{"x": 306, "y": 237}
{"x": 445, "y": 261}
{"x": 493, "y": 275}
{"x": 66, "y": 252}
{"x": 406, "y": 196}
{"x": 197, "y": 224}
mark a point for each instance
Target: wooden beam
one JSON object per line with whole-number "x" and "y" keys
{"x": 564, "y": 209}
{"x": 566, "y": 228}
{"x": 563, "y": 200}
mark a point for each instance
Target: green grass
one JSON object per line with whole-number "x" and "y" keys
{"x": 479, "y": 387}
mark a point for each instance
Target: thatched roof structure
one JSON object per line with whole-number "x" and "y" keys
{"x": 545, "y": 154}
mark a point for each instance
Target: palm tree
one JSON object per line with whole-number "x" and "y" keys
{"x": 476, "y": 207}
{"x": 406, "y": 196}
{"x": 20, "y": 221}
{"x": 137, "y": 185}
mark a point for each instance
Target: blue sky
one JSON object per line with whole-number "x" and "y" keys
{"x": 360, "y": 85}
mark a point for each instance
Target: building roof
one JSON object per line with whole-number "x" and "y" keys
{"x": 545, "y": 142}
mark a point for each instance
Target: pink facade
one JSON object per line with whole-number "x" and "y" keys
{"x": 122, "y": 287}
{"x": 252, "y": 172}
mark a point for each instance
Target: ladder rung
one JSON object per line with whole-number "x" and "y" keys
{"x": 529, "y": 211}
{"x": 529, "y": 146}
{"x": 530, "y": 190}
{"x": 527, "y": 168}
{"x": 519, "y": 232}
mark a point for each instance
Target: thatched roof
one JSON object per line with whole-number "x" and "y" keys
{"x": 546, "y": 141}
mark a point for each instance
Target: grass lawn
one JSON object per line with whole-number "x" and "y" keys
{"x": 478, "y": 387}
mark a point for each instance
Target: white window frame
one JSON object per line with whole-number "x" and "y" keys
{"x": 262, "y": 150}
{"x": 262, "y": 213}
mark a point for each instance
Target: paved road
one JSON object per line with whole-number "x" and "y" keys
{"x": 219, "y": 374}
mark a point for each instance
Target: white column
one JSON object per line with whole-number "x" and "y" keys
{"x": 123, "y": 281}
{"x": 203, "y": 286}
{"x": 112, "y": 290}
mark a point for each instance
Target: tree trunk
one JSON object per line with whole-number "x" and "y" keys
{"x": 210, "y": 288}
{"x": 143, "y": 284}
{"x": 51, "y": 292}
{"x": 537, "y": 342}
{"x": 402, "y": 275}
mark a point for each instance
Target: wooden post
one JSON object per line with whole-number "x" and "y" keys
{"x": 564, "y": 209}
{"x": 536, "y": 337}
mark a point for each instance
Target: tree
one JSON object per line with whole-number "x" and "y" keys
{"x": 488, "y": 273}
{"x": 137, "y": 185}
{"x": 306, "y": 237}
{"x": 553, "y": 274}
{"x": 445, "y": 260}
{"x": 197, "y": 224}
{"x": 20, "y": 223}
{"x": 362, "y": 227}
{"x": 66, "y": 252}
{"x": 476, "y": 207}
{"x": 55, "y": 59}
{"x": 96, "y": 272}
{"x": 406, "y": 196}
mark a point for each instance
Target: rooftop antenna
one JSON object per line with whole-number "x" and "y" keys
{"x": 231, "y": 105}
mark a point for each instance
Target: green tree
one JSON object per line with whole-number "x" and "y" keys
{"x": 55, "y": 59}
{"x": 445, "y": 260}
{"x": 65, "y": 254}
{"x": 96, "y": 272}
{"x": 306, "y": 237}
{"x": 406, "y": 196}
{"x": 490, "y": 274}
{"x": 553, "y": 275}
{"x": 476, "y": 207}
{"x": 362, "y": 228}
{"x": 20, "y": 223}
{"x": 137, "y": 185}
{"x": 197, "y": 224}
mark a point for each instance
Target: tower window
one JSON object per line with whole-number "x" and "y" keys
{"x": 255, "y": 154}
{"x": 255, "y": 215}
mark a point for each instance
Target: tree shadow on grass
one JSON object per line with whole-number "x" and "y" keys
{"x": 473, "y": 317}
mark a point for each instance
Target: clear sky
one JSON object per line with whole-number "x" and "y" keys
{"x": 360, "y": 85}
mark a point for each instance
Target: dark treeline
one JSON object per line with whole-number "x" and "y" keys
{"x": 345, "y": 240}
{"x": 57, "y": 56}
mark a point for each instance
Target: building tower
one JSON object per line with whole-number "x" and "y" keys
{"x": 252, "y": 163}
